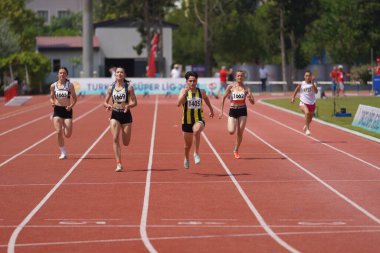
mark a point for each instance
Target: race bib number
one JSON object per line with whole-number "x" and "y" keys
{"x": 194, "y": 103}
{"x": 61, "y": 94}
{"x": 238, "y": 95}
{"x": 121, "y": 97}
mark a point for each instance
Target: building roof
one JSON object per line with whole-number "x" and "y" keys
{"x": 128, "y": 22}
{"x": 63, "y": 42}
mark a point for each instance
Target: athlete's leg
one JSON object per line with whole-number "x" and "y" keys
{"x": 197, "y": 129}
{"x": 58, "y": 123}
{"x": 308, "y": 117}
{"x": 115, "y": 130}
{"x": 240, "y": 130}
{"x": 68, "y": 127}
{"x": 126, "y": 133}
{"x": 231, "y": 125}
{"x": 188, "y": 137}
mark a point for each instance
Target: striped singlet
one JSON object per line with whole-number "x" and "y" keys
{"x": 192, "y": 108}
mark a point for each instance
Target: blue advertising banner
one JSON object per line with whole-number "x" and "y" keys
{"x": 376, "y": 85}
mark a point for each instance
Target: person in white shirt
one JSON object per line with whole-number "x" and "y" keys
{"x": 263, "y": 74}
{"x": 175, "y": 72}
{"x": 307, "y": 89}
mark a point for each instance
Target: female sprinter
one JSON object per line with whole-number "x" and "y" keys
{"x": 191, "y": 99}
{"x": 307, "y": 89}
{"x": 63, "y": 99}
{"x": 237, "y": 92}
{"x": 123, "y": 99}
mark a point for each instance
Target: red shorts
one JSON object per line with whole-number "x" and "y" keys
{"x": 310, "y": 107}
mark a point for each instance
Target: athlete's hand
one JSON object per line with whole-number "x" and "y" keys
{"x": 108, "y": 107}
{"x": 292, "y": 100}
{"x": 220, "y": 115}
{"x": 68, "y": 108}
{"x": 211, "y": 115}
{"x": 126, "y": 108}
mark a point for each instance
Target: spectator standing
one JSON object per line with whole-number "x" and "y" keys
{"x": 340, "y": 78}
{"x": 175, "y": 72}
{"x": 263, "y": 73}
{"x": 334, "y": 79}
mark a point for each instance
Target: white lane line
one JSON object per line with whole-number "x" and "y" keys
{"x": 253, "y": 209}
{"x": 25, "y": 124}
{"x": 144, "y": 215}
{"x": 317, "y": 140}
{"x": 197, "y": 237}
{"x": 352, "y": 203}
{"x": 45, "y": 138}
{"x": 30, "y": 122}
{"x": 368, "y": 137}
{"x": 16, "y": 232}
{"x": 23, "y": 111}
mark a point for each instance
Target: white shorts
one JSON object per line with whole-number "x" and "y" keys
{"x": 341, "y": 85}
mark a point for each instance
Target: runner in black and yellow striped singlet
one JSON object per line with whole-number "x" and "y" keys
{"x": 238, "y": 93}
{"x": 123, "y": 99}
{"x": 63, "y": 99}
{"x": 191, "y": 98}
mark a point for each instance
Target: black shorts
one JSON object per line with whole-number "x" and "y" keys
{"x": 121, "y": 116}
{"x": 188, "y": 128}
{"x": 237, "y": 112}
{"x": 60, "y": 111}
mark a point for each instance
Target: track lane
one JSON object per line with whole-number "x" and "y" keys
{"x": 198, "y": 210}
{"x": 282, "y": 139}
{"x": 110, "y": 203}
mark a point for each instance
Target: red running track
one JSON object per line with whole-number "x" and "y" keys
{"x": 288, "y": 192}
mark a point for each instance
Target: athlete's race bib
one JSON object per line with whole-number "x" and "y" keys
{"x": 194, "y": 103}
{"x": 238, "y": 95}
{"x": 119, "y": 97}
{"x": 60, "y": 94}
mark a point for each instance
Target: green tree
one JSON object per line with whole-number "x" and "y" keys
{"x": 37, "y": 64}
{"x": 69, "y": 25}
{"x": 9, "y": 41}
{"x": 22, "y": 21}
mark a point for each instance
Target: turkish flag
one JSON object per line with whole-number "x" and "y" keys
{"x": 151, "y": 71}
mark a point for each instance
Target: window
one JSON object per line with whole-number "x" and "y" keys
{"x": 44, "y": 15}
{"x": 56, "y": 65}
{"x": 62, "y": 14}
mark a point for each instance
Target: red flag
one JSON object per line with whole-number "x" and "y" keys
{"x": 151, "y": 71}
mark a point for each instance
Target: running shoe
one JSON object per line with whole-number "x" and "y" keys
{"x": 119, "y": 167}
{"x": 307, "y": 132}
{"x": 236, "y": 154}
{"x": 197, "y": 159}
{"x": 62, "y": 157}
{"x": 186, "y": 164}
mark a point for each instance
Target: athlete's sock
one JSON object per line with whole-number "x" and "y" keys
{"x": 63, "y": 150}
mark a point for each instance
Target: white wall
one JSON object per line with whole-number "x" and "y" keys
{"x": 119, "y": 43}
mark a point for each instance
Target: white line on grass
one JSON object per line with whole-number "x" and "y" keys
{"x": 16, "y": 232}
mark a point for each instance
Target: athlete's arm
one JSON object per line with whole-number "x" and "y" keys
{"x": 132, "y": 99}
{"x": 251, "y": 99}
{"x": 182, "y": 96}
{"x": 52, "y": 96}
{"x": 207, "y": 101}
{"x": 295, "y": 92}
{"x": 226, "y": 94}
{"x": 107, "y": 99}
{"x": 74, "y": 96}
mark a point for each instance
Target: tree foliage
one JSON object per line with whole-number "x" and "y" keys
{"x": 37, "y": 64}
